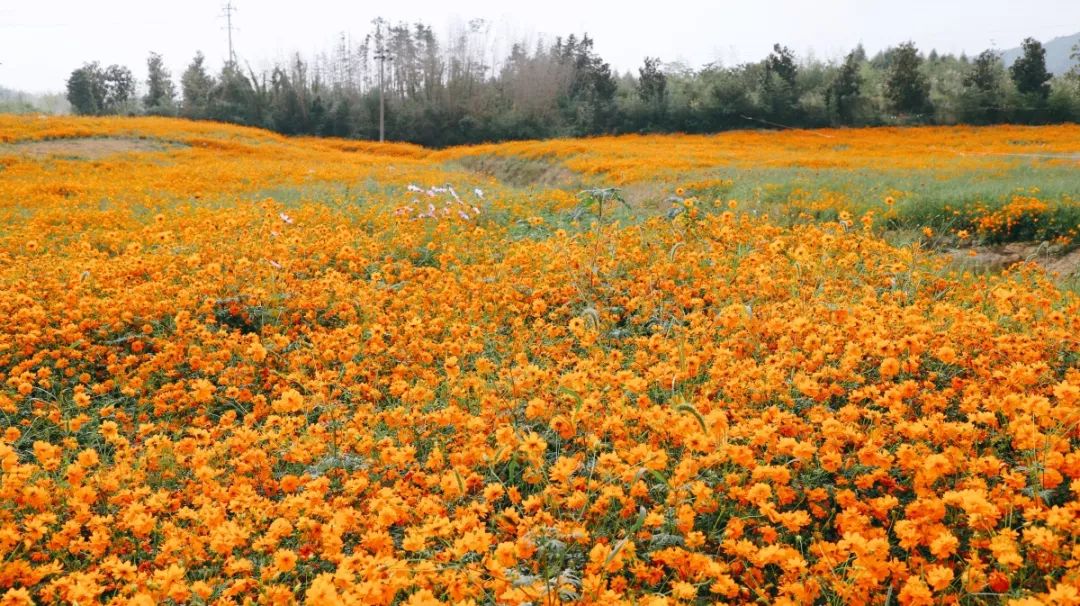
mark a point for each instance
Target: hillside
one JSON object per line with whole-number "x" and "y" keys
{"x": 241, "y": 368}
{"x": 1058, "y": 53}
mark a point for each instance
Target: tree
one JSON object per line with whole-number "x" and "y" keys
{"x": 982, "y": 90}
{"x": 1063, "y": 104}
{"x": 778, "y": 83}
{"x": 590, "y": 98}
{"x": 196, "y": 84}
{"x": 652, "y": 84}
{"x": 340, "y": 123}
{"x": 287, "y": 113}
{"x": 235, "y": 98}
{"x": 782, "y": 63}
{"x": 119, "y": 90}
{"x": 985, "y": 74}
{"x": 860, "y": 53}
{"x": 844, "y": 91}
{"x": 1029, "y": 70}
{"x": 86, "y": 90}
{"x": 906, "y": 87}
{"x": 160, "y": 96}
{"x": 729, "y": 95}
{"x": 648, "y": 108}
{"x": 95, "y": 91}
{"x": 652, "y": 89}
{"x": 459, "y": 90}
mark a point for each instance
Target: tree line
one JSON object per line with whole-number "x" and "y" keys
{"x": 457, "y": 91}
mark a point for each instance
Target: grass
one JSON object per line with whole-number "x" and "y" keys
{"x": 524, "y": 173}
{"x": 943, "y": 199}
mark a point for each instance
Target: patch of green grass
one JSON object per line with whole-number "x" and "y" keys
{"x": 525, "y": 173}
{"x": 939, "y": 199}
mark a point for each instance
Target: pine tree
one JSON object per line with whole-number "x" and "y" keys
{"x": 844, "y": 92}
{"x": 160, "y": 97}
{"x": 195, "y": 85}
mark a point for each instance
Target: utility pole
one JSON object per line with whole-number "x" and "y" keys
{"x": 229, "y": 8}
{"x": 382, "y": 56}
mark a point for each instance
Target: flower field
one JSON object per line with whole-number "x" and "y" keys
{"x": 1000, "y": 184}
{"x": 242, "y": 368}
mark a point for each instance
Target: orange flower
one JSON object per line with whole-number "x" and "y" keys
{"x": 533, "y": 445}
{"x": 289, "y": 483}
{"x": 284, "y": 560}
{"x": 915, "y": 593}
{"x": 939, "y": 577}
{"x": 419, "y": 397}
{"x": 889, "y": 368}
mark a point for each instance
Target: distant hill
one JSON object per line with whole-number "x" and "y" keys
{"x": 1057, "y": 54}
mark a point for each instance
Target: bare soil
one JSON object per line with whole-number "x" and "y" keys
{"x": 85, "y": 148}
{"x": 1066, "y": 266}
{"x": 524, "y": 172}
{"x": 1054, "y": 259}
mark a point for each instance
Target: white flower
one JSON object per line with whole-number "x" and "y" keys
{"x": 479, "y": 193}
{"x": 286, "y": 218}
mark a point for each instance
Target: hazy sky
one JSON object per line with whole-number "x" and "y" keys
{"x": 41, "y": 42}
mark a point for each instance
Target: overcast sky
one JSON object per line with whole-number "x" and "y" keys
{"x": 41, "y": 42}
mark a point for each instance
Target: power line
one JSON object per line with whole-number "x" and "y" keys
{"x": 228, "y": 10}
